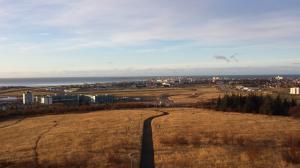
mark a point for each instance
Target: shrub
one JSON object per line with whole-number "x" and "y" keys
{"x": 228, "y": 139}
{"x": 241, "y": 141}
{"x": 295, "y": 111}
{"x": 181, "y": 140}
{"x": 196, "y": 141}
{"x": 253, "y": 152}
{"x": 177, "y": 140}
{"x": 291, "y": 155}
{"x": 114, "y": 159}
{"x": 292, "y": 152}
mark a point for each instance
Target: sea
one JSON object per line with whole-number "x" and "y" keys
{"x": 58, "y": 81}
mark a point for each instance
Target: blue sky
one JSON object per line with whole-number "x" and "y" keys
{"x": 143, "y": 37}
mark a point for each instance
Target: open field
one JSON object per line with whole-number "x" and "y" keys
{"x": 17, "y": 92}
{"x": 98, "y": 139}
{"x": 191, "y": 94}
{"x": 147, "y": 92}
{"x": 203, "y": 138}
{"x": 196, "y": 94}
{"x": 116, "y": 92}
{"x": 185, "y": 138}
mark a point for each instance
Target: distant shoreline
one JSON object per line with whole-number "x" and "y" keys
{"x": 63, "y": 81}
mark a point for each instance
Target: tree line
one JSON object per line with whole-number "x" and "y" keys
{"x": 69, "y": 108}
{"x": 256, "y": 104}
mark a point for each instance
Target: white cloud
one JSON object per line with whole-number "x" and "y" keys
{"x": 98, "y": 23}
{"x": 3, "y": 39}
{"x": 39, "y": 28}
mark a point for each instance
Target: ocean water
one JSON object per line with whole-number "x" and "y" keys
{"x": 34, "y": 82}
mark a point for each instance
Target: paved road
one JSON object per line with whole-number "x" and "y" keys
{"x": 147, "y": 154}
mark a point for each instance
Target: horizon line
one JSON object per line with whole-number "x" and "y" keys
{"x": 149, "y": 76}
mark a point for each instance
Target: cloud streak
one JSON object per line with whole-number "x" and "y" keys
{"x": 223, "y": 58}
{"x": 229, "y": 59}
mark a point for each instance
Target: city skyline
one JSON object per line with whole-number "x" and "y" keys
{"x": 139, "y": 37}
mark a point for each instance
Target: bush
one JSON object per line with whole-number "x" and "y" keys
{"x": 196, "y": 141}
{"x": 177, "y": 140}
{"x": 292, "y": 152}
{"x": 114, "y": 159}
{"x": 295, "y": 111}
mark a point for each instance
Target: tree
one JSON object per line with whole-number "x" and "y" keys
{"x": 293, "y": 103}
{"x": 224, "y": 103}
{"x": 266, "y": 107}
{"x": 255, "y": 104}
{"x": 285, "y": 107}
{"x": 218, "y": 104}
{"x": 249, "y": 105}
{"x": 277, "y": 106}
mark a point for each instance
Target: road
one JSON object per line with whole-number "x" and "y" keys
{"x": 147, "y": 154}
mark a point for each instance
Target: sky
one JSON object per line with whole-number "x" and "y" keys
{"x": 41, "y": 38}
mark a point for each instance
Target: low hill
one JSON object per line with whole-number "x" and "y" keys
{"x": 205, "y": 138}
{"x": 98, "y": 139}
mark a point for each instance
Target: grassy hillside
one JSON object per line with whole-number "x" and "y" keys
{"x": 98, "y": 139}
{"x": 202, "y": 138}
{"x": 184, "y": 138}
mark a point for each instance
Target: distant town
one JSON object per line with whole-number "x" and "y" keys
{"x": 88, "y": 94}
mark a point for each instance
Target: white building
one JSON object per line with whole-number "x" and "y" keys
{"x": 166, "y": 84}
{"x": 28, "y": 98}
{"x": 47, "y": 100}
{"x": 92, "y": 98}
{"x": 295, "y": 91}
{"x": 37, "y": 99}
{"x": 279, "y": 77}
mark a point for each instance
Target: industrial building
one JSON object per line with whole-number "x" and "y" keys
{"x": 65, "y": 99}
{"x": 47, "y": 100}
{"x": 102, "y": 98}
{"x": 28, "y": 98}
{"x": 295, "y": 91}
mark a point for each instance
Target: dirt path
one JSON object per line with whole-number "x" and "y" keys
{"x": 147, "y": 154}
{"x": 14, "y": 123}
{"x": 35, "y": 148}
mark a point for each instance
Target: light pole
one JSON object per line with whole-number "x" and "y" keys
{"x": 131, "y": 156}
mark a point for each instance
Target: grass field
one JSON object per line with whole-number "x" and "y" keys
{"x": 98, "y": 139}
{"x": 192, "y": 94}
{"x": 147, "y": 92}
{"x": 184, "y": 138}
{"x": 202, "y": 138}
{"x": 17, "y": 92}
{"x": 196, "y": 94}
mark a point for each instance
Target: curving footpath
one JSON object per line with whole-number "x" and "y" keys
{"x": 35, "y": 148}
{"x": 147, "y": 153}
{"x": 14, "y": 123}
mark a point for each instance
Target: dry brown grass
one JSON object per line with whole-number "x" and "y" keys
{"x": 203, "y": 138}
{"x": 291, "y": 153}
{"x": 145, "y": 92}
{"x": 17, "y": 92}
{"x": 196, "y": 94}
{"x": 191, "y": 94}
{"x": 98, "y": 139}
